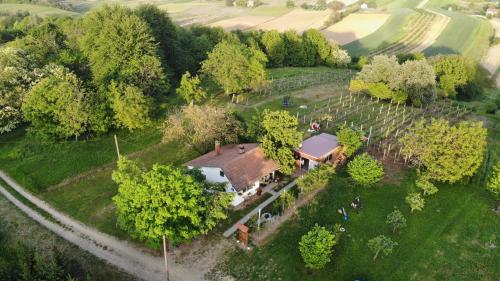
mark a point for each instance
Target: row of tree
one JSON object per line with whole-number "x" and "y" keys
{"x": 70, "y": 77}
{"x": 416, "y": 78}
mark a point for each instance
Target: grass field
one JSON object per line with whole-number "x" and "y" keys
{"x": 270, "y": 10}
{"x": 464, "y": 35}
{"x": 39, "y": 10}
{"x": 447, "y": 241}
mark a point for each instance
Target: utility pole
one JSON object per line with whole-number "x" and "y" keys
{"x": 165, "y": 255}
{"x": 117, "y": 148}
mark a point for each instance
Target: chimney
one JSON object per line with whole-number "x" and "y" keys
{"x": 242, "y": 149}
{"x": 217, "y": 148}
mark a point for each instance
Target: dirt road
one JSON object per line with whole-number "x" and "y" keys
{"x": 119, "y": 253}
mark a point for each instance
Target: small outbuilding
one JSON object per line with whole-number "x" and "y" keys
{"x": 318, "y": 149}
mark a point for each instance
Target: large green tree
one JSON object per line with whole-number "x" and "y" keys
{"x": 316, "y": 46}
{"x": 16, "y": 76}
{"x": 165, "y": 201}
{"x": 235, "y": 67}
{"x": 295, "y": 53}
{"x": 453, "y": 72}
{"x": 316, "y": 247}
{"x": 163, "y": 31}
{"x": 130, "y": 106}
{"x": 274, "y": 47}
{"x": 57, "y": 106}
{"x": 120, "y": 47}
{"x": 447, "y": 152}
{"x": 280, "y": 137}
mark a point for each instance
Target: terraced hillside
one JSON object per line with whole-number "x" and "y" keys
{"x": 421, "y": 31}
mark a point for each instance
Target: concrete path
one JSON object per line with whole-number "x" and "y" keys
{"x": 262, "y": 205}
{"x": 122, "y": 254}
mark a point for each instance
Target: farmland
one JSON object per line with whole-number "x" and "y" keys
{"x": 355, "y": 26}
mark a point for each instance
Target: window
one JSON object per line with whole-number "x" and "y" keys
{"x": 221, "y": 173}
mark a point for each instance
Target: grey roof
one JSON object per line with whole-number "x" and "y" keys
{"x": 319, "y": 146}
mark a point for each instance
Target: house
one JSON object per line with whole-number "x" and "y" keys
{"x": 364, "y": 6}
{"x": 244, "y": 167}
{"x": 318, "y": 149}
{"x": 492, "y": 12}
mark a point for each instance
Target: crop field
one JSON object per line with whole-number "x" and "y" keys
{"x": 298, "y": 20}
{"x": 420, "y": 32}
{"x": 241, "y": 22}
{"x": 39, "y": 10}
{"x": 355, "y": 26}
{"x": 388, "y": 33}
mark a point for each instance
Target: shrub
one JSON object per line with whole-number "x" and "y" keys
{"x": 415, "y": 200}
{"x": 365, "y": 170}
{"x": 396, "y": 219}
{"x": 315, "y": 178}
{"x": 493, "y": 184}
{"x": 316, "y": 247}
{"x": 290, "y": 3}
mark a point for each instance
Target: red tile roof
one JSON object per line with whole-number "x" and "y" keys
{"x": 242, "y": 169}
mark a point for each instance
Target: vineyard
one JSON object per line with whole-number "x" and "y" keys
{"x": 337, "y": 79}
{"x": 421, "y": 31}
{"x": 382, "y": 123}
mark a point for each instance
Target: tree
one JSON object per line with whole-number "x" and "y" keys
{"x": 295, "y": 53}
{"x": 418, "y": 80}
{"x": 280, "y": 138}
{"x": 365, "y": 170}
{"x": 274, "y": 47}
{"x": 200, "y": 126}
{"x": 415, "y": 200}
{"x": 493, "y": 184}
{"x": 396, "y": 219}
{"x": 165, "y": 201}
{"x": 316, "y": 247}
{"x": 448, "y": 152}
{"x": 382, "y": 244}
{"x": 338, "y": 57}
{"x": 130, "y": 106}
{"x": 120, "y": 47}
{"x": 382, "y": 69}
{"x": 235, "y": 67}
{"x": 163, "y": 31}
{"x": 453, "y": 72}
{"x": 189, "y": 88}
{"x": 254, "y": 127}
{"x": 56, "y": 106}
{"x": 290, "y": 3}
{"x": 16, "y": 76}
{"x": 350, "y": 140}
{"x": 316, "y": 46}
{"x": 43, "y": 42}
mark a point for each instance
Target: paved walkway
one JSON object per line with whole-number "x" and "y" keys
{"x": 247, "y": 217}
{"x": 120, "y": 253}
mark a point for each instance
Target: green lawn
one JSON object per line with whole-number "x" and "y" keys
{"x": 446, "y": 241}
{"x": 39, "y": 10}
{"x": 466, "y": 35}
{"x": 89, "y": 199}
{"x": 282, "y": 72}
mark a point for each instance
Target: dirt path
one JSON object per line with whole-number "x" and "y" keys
{"x": 491, "y": 61}
{"x": 122, "y": 254}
